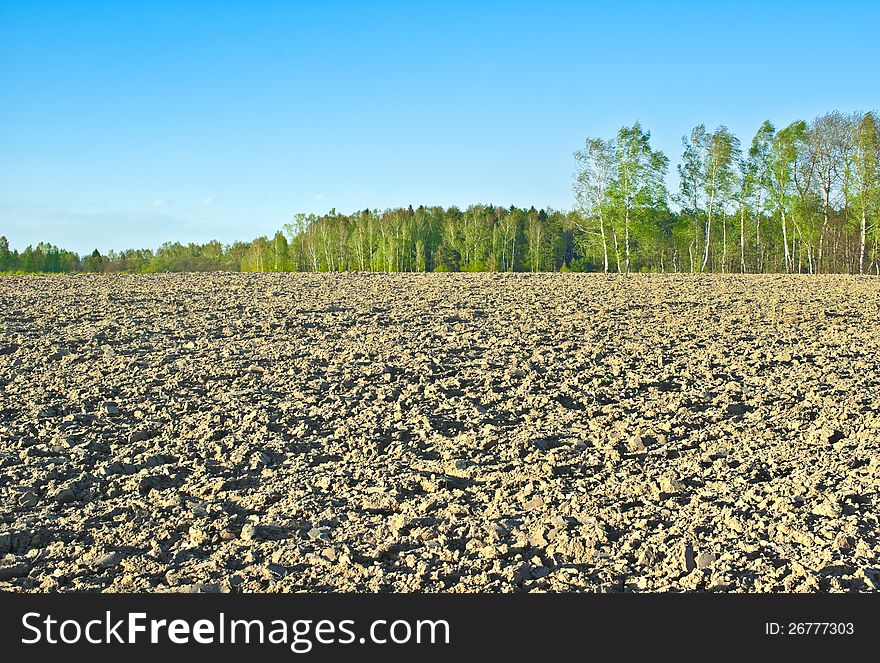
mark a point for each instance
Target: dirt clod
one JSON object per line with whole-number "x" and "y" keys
{"x": 439, "y": 432}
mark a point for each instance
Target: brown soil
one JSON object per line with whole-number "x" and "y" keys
{"x": 439, "y": 432}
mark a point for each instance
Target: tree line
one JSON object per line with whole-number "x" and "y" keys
{"x": 480, "y": 238}
{"x": 801, "y": 199}
{"x": 805, "y": 198}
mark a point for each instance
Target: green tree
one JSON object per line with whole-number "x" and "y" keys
{"x": 638, "y": 184}
{"x": 279, "y": 255}
{"x": 691, "y": 179}
{"x": 867, "y": 178}
{"x": 593, "y": 185}
{"x": 722, "y": 155}
{"x": 755, "y": 185}
{"x": 784, "y": 153}
{"x": 256, "y": 257}
{"x": 827, "y": 141}
{"x": 7, "y": 259}
{"x": 94, "y": 262}
{"x": 537, "y": 239}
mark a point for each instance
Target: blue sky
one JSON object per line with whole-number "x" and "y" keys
{"x": 132, "y": 123}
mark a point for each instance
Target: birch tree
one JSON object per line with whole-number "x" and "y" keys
{"x": 722, "y": 153}
{"x": 279, "y": 253}
{"x": 784, "y": 151}
{"x": 593, "y": 183}
{"x": 691, "y": 179}
{"x": 867, "y": 178}
{"x": 755, "y": 184}
{"x": 536, "y": 236}
{"x": 508, "y": 225}
{"x": 826, "y": 139}
{"x": 638, "y": 185}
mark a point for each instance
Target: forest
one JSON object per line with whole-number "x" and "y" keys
{"x": 801, "y": 199}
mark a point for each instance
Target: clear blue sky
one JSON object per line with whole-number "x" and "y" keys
{"x": 131, "y": 123}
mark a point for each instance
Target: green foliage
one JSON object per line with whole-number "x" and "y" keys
{"x": 8, "y": 259}
{"x": 803, "y": 199}
{"x": 94, "y": 262}
{"x": 619, "y": 185}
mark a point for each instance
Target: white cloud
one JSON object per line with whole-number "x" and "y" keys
{"x": 210, "y": 200}
{"x": 159, "y": 202}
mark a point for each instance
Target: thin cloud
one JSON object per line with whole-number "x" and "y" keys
{"x": 159, "y": 202}
{"x": 210, "y": 200}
